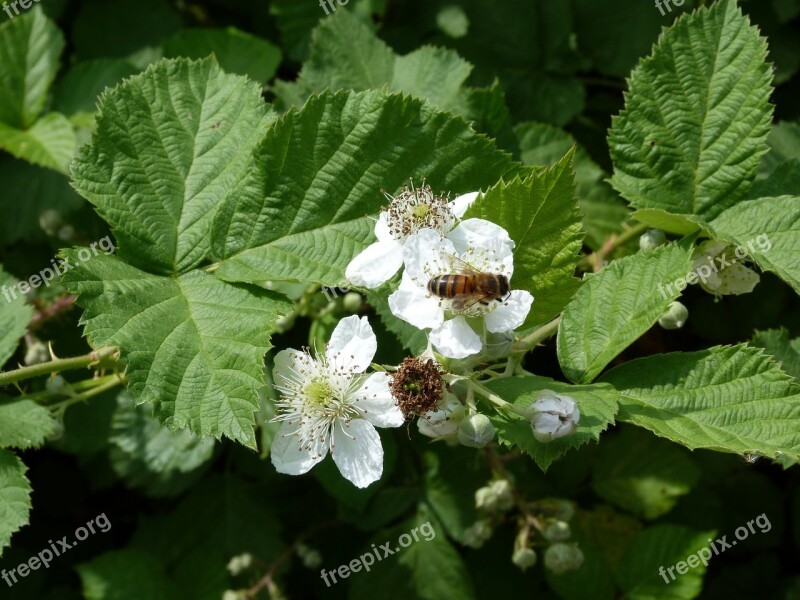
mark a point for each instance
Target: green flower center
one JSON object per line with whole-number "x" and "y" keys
{"x": 319, "y": 392}
{"x": 420, "y": 211}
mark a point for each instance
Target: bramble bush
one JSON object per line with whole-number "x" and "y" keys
{"x": 527, "y": 271}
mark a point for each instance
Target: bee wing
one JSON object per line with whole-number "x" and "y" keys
{"x": 459, "y": 265}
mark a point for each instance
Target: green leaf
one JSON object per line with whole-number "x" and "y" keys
{"x": 30, "y": 46}
{"x": 428, "y": 569}
{"x": 194, "y": 345}
{"x": 24, "y": 424}
{"x": 15, "y": 315}
{"x": 237, "y": 51}
{"x": 50, "y": 142}
{"x": 777, "y": 343}
{"x": 604, "y": 212}
{"x": 661, "y": 219}
{"x": 648, "y": 481}
{"x": 727, "y": 398}
{"x": 171, "y": 144}
{"x": 784, "y": 145}
{"x": 662, "y": 546}
{"x": 541, "y": 215}
{"x": 127, "y": 574}
{"x": 616, "y": 306}
{"x": 15, "y": 496}
{"x": 769, "y": 229}
{"x": 87, "y": 425}
{"x": 300, "y": 214}
{"x": 597, "y": 404}
{"x": 696, "y": 116}
{"x": 150, "y": 457}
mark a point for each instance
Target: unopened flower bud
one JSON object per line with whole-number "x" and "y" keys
{"x": 557, "y": 531}
{"x": 560, "y": 558}
{"x": 50, "y": 220}
{"x": 240, "y": 563}
{"x": 652, "y": 238}
{"x": 57, "y": 385}
{"x": 66, "y": 233}
{"x": 352, "y": 302}
{"x": 524, "y": 558}
{"x": 311, "y": 558}
{"x": 476, "y": 431}
{"x": 36, "y": 353}
{"x": 675, "y": 316}
{"x": 557, "y": 508}
{"x": 476, "y": 534}
{"x": 442, "y": 424}
{"x": 554, "y": 416}
{"x": 498, "y": 495}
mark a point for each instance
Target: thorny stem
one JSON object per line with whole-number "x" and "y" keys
{"x": 533, "y": 339}
{"x": 105, "y": 354}
{"x": 268, "y": 580}
{"x": 109, "y": 382}
{"x": 595, "y": 260}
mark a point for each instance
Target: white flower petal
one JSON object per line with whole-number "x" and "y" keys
{"x": 424, "y": 255}
{"x": 353, "y": 345}
{"x": 287, "y": 454}
{"x": 382, "y": 232}
{"x": 376, "y": 404}
{"x": 376, "y": 264}
{"x": 357, "y": 451}
{"x": 460, "y": 204}
{"x": 509, "y": 314}
{"x": 456, "y": 339}
{"x": 475, "y": 232}
{"x": 287, "y": 365}
{"x": 415, "y": 305}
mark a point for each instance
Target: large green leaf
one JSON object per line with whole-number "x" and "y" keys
{"x": 696, "y": 116}
{"x": 15, "y": 315}
{"x": 171, "y": 144}
{"x": 30, "y": 46}
{"x": 597, "y": 404}
{"x": 541, "y": 215}
{"x": 148, "y": 456}
{"x": 300, "y": 215}
{"x": 194, "y": 345}
{"x": 769, "y": 230}
{"x": 786, "y": 351}
{"x": 24, "y": 424}
{"x": 15, "y": 496}
{"x": 727, "y": 398}
{"x": 616, "y": 306}
{"x": 237, "y": 51}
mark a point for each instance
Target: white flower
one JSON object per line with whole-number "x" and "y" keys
{"x": 408, "y": 212}
{"x": 484, "y": 247}
{"x": 719, "y": 270}
{"x": 329, "y": 404}
{"x": 555, "y": 416}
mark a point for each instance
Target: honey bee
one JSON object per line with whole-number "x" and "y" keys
{"x": 469, "y": 287}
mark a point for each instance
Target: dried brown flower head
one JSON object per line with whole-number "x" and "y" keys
{"x": 417, "y": 386}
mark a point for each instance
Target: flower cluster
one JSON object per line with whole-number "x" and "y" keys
{"x": 455, "y": 285}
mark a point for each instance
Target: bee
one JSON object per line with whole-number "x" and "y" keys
{"x": 469, "y": 287}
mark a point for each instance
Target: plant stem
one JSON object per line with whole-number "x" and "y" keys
{"x": 595, "y": 260}
{"x": 111, "y": 382}
{"x": 536, "y": 337}
{"x": 59, "y": 364}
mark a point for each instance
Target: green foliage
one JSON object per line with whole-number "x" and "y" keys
{"x": 786, "y": 351}
{"x": 598, "y": 405}
{"x": 24, "y": 424}
{"x": 697, "y": 399}
{"x": 14, "y": 316}
{"x": 125, "y": 575}
{"x": 696, "y": 116}
{"x": 541, "y": 216}
{"x": 15, "y": 496}
{"x": 615, "y": 307}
